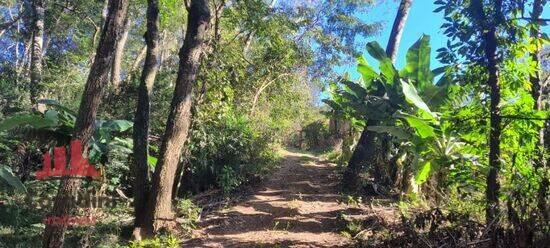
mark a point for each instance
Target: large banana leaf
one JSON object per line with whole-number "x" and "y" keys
{"x": 417, "y": 68}
{"x": 334, "y": 105}
{"x": 397, "y": 132}
{"x": 33, "y": 120}
{"x": 423, "y": 173}
{"x": 56, "y": 105}
{"x": 367, "y": 72}
{"x": 117, "y": 125}
{"x": 376, "y": 51}
{"x": 411, "y": 95}
{"x": 387, "y": 69}
{"x": 355, "y": 89}
{"x": 422, "y": 127}
{"x": 435, "y": 95}
{"x": 7, "y": 175}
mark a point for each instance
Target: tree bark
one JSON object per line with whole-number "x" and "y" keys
{"x": 397, "y": 29}
{"x": 493, "y": 185}
{"x": 36, "y": 87}
{"x": 116, "y": 69}
{"x": 365, "y": 148}
{"x": 99, "y": 29}
{"x": 159, "y": 212}
{"x": 135, "y": 65}
{"x": 362, "y": 152}
{"x": 141, "y": 120}
{"x": 91, "y": 97}
{"x": 537, "y": 91}
{"x": 489, "y": 36}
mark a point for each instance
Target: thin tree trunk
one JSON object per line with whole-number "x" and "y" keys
{"x": 489, "y": 35}
{"x": 18, "y": 31}
{"x": 261, "y": 89}
{"x": 537, "y": 93}
{"x": 116, "y": 69}
{"x": 179, "y": 174}
{"x": 36, "y": 51}
{"x": 365, "y": 148}
{"x": 99, "y": 29}
{"x": 91, "y": 97}
{"x": 159, "y": 212}
{"x": 141, "y": 120}
{"x": 397, "y": 29}
{"x": 135, "y": 65}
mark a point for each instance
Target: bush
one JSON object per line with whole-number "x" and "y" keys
{"x": 168, "y": 241}
{"x": 225, "y": 152}
{"x": 189, "y": 212}
{"x": 314, "y": 136}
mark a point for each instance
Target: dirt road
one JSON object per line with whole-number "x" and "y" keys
{"x": 297, "y": 207}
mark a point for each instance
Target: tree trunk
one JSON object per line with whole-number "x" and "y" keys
{"x": 397, "y": 29}
{"x": 537, "y": 91}
{"x": 493, "y": 185}
{"x": 179, "y": 175}
{"x": 116, "y": 69}
{"x": 99, "y": 29}
{"x": 141, "y": 120}
{"x": 362, "y": 152}
{"x": 17, "y": 59}
{"x": 91, "y": 97}
{"x": 365, "y": 148}
{"x": 159, "y": 212}
{"x": 135, "y": 65}
{"x": 36, "y": 52}
{"x": 489, "y": 35}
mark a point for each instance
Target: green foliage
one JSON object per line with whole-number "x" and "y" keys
{"x": 58, "y": 123}
{"x": 7, "y": 175}
{"x": 226, "y": 152}
{"x": 167, "y": 241}
{"x": 409, "y": 120}
{"x": 417, "y": 68}
{"x": 189, "y": 212}
{"x": 423, "y": 173}
{"x": 412, "y": 97}
{"x": 314, "y": 136}
{"x": 35, "y": 121}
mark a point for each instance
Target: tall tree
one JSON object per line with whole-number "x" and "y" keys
{"x": 36, "y": 50}
{"x": 141, "y": 120}
{"x": 91, "y": 98}
{"x": 537, "y": 92}
{"x": 333, "y": 26}
{"x": 365, "y": 147}
{"x": 159, "y": 213}
{"x": 489, "y": 24}
{"x": 116, "y": 69}
{"x": 397, "y": 29}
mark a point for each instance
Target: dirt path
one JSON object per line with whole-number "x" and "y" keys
{"x": 298, "y": 207}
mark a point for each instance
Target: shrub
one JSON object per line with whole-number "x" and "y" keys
{"x": 168, "y": 241}
{"x": 189, "y": 212}
{"x": 225, "y": 152}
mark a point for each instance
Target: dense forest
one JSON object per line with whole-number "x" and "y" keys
{"x": 230, "y": 123}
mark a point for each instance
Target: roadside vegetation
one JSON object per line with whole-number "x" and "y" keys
{"x": 188, "y": 107}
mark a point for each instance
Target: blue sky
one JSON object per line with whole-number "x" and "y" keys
{"x": 422, "y": 20}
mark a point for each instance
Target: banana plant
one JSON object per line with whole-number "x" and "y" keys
{"x": 57, "y": 124}
{"x": 403, "y": 102}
